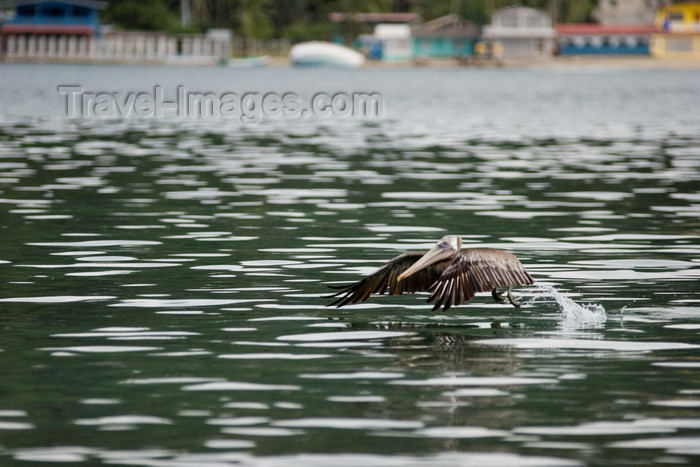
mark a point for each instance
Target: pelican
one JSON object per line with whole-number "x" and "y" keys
{"x": 450, "y": 276}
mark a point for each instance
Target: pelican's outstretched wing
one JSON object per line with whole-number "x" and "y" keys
{"x": 476, "y": 270}
{"x": 385, "y": 278}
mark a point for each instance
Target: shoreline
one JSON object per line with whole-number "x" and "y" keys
{"x": 609, "y": 62}
{"x": 569, "y": 62}
{"x": 583, "y": 62}
{"x": 557, "y": 62}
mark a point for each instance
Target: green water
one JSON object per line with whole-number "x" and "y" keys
{"x": 162, "y": 281}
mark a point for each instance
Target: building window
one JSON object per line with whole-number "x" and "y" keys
{"x": 26, "y": 11}
{"x": 679, "y": 44}
{"x": 54, "y": 11}
{"x": 80, "y": 12}
{"x": 509, "y": 20}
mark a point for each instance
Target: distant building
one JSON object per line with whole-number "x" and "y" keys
{"x": 520, "y": 33}
{"x": 59, "y": 17}
{"x": 69, "y": 30}
{"x": 359, "y": 30}
{"x": 598, "y": 39}
{"x": 448, "y": 36}
{"x": 623, "y": 27}
{"x": 27, "y": 26}
{"x": 395, "y": 40}
{"x": 625, "y": 11}
{"x": 679, "y": 32}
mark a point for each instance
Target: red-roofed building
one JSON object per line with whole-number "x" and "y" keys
{"x": 32, "y": 27}
{"x": 70, "y": 17}
{"x": 604, "y": 39}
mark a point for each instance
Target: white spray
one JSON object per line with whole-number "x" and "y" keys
{"x": 574, "y": 315}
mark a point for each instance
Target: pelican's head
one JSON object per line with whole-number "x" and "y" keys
{"x": 448, "y": 246}
{"x": 451, "y": 241}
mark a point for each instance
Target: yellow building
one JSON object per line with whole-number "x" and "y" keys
{"x": 679, "y": 32}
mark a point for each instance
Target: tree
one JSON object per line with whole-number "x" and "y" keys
{"x": 308, "y": 19}
{"x": 149, "y": 15}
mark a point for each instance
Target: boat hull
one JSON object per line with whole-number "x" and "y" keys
{"x": 325, "y": 54}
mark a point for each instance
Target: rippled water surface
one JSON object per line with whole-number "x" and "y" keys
{"x": 161, "y": 281}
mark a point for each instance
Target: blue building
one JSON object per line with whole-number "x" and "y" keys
{"x": 602, "y": 39}
{"x": 55, "y": 17}
{"x": 447, "y": 36}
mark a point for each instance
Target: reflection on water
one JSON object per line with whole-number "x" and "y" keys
{"x": 162, "y": 281}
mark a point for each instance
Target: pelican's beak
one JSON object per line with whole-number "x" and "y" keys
{"x": 437, "y": 253}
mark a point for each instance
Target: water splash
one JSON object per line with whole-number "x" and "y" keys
{"x": 574, "y": 315}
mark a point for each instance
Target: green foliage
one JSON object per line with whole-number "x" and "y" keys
{"x": 300, "y": 20}
{"x": 254, "y": 19}
{"x": 148, "y": 15}
{"x": 299, "y": 32}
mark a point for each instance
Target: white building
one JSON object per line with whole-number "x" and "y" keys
{"x": 395, "y": 40}
{"x": 520, "y": 33}
{"x": 626, "y": 11}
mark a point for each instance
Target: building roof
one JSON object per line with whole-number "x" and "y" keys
{"x": 520, "y": 17}
{"x": 338, "y": 17}
{"x": 592, "y": 29}
{"x": 519, "y": 8}
{"x": 446, "y": 26}
{"x": 46, "y": 29}
{"x": 518, "y": 22}
{"x": 680, "y": 6}
{"x": 93, "y": 4}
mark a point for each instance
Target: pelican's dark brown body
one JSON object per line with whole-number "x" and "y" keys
{"x": 450, "y": 275}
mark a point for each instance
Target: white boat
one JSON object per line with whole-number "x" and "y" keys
{"x": 325, "y": 53}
